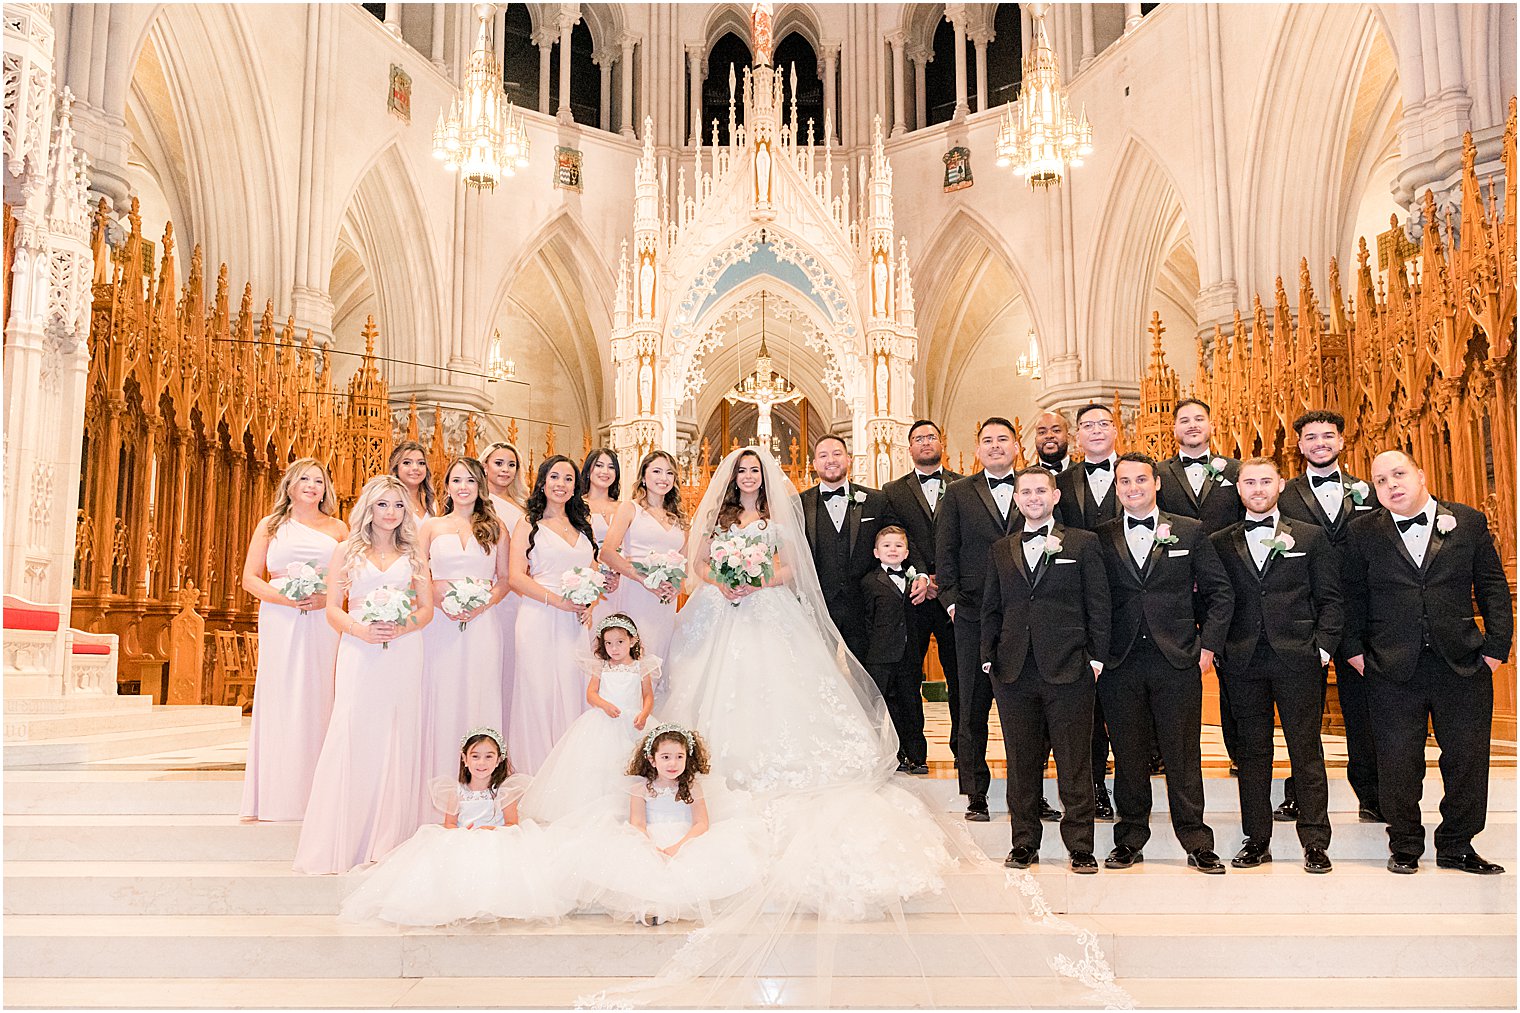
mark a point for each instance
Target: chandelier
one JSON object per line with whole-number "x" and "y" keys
{"x": 764, "y": 388}
{"x": 482, "y": 135}
{"x": 1043, "y": 138}
{"x": 498, "y": 367}
{"x": 1028, "y": 364}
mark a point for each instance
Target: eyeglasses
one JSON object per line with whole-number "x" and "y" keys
{"x": 930, "y": 438}
{"x": 1095, "y": 427}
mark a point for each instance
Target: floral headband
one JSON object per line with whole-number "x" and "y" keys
{"x": 488, "y": 732}
{"x": 657, "y": 731}
{"x": 617, "y": 622}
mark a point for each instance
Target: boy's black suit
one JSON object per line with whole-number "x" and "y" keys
{"x": 891, "y": 659}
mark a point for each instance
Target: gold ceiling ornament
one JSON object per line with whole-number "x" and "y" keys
{"x": 1038, "y": 135}
{"x": 482, "y": 135}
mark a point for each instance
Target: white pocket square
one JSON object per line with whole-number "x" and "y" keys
{"x": 1362, "y": 508}
{"x": 1293, "y": 555}
{"x": 1174, "y": 553}
{"x": 1063, "y": 562}
{"x": 1225, "y": 481}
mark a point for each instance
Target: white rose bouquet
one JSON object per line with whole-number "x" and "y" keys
{"x": 738, "y": 560}
{"x": 301, "y": 581}
{"x": 386, "y": 604}
{"x": 466, "y": 595}
{"x": 662, "y": 568}
{"x": 582, "y": 584}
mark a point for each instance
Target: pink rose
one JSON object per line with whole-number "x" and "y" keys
{"x": 1163, "y": 531}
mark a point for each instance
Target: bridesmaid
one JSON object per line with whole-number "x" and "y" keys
{"x": 461, "y": 681}
{"x": 409, "y": 464}
{"x": 551, "y": 630}
{"x": 601, "y": 485}
{"x": 293, "y": 691}
{"x": 652, "y": 521}
{"x": 365, "y": 795}
{"x": 509, "y": 496}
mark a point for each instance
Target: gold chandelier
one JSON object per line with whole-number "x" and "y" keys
{"x": 1043, "y": 138}
{"x": 482, "y": 135}
{"x": 498, "y": 366}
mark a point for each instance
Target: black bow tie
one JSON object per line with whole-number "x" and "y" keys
{"x": 1054, "y": 467}
{"x": 1318, "y": 480}
{"x": 831, "y": 493}
{"x": 1142, "y": 522}
{"x": 993, "y": 483}
{"x": 1030, "y": 536}
{"x": 1269, "y": 523}
{"x": 1409, "y": 522}
{"x": 895, "y": 571}
{"x": 1188, "y": 462}
{"x": 933, "y": 476}
{"x": 1093, "y": 466}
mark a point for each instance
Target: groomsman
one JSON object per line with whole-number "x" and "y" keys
{"x": 1330, "y": 496}
{"x": 1045, "y": 617}
{"x": 1052, "y": 442}
{"x": 1413, "y": 575}
{"x": 977, "y": 511}
{"x": 913, "y": 501}
{"x": 1087, "y": 500}
{"x": 1158, "y": 647}
{"x": 1287, "y": 621}
{"x": 842, "y": 520}
{"x": 891, "y": 643}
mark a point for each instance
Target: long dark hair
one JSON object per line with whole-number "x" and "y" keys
{"x": 733, "y": 508}
{"x": 696, "y": 761}
{"x": 503, "y": 766}
{"x": 484, "y": 524}
{"x": 672, "y": 501}
{"x": 428, "y": 498}
{"x": 576, "y": 510}
{"x": 583, "y": 480}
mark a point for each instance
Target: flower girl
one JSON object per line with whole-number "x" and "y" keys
{"x": 672, "y": 859}
{"x": 455, "y": 871}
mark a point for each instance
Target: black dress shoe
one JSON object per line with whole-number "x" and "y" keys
{"x": 1287, "y": 812}
{"x": 976, "y": 809}
{"x": 1234, "y": 770}
{"x": 917, "y": 768}
{"x": 1022, "y": 858}
{"x": 1205, "y": 860}
{"x": 903, "y": 766}
{"x": 1369, "y": 814}
{"x": 1103, "y": 809}
{"x": 1083, "y": 863}
{"x": 1158, "y": 766}
{"x": 1047, "y": 813}
{"x": 1404, "y": 864}
{"x": 1252, "y": 855}
{"x": 1123, "y": 856}
{"x": 1471, "y": 862}
{"x": 1315, "y": 860}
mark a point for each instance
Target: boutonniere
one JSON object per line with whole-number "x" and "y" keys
{"x": 858, "y": 496}
{"x": 1052, "y": 546}
{"x": 912, "y": 574}
{"x": 1359, "y": 492}
{"x": 1446, "y": 523}
{"x": 1278, "y": 545}
{"x": 1164, "y": 535}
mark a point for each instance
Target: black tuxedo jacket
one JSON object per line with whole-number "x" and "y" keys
{"x": 1217, "y": 504}
{"x": 1294, "y": 601}
{"x": 1162, "y": 595}
{"x": 861, "y": 522}
{"x": 966, "y": 524}
{"x": 1077, "y": 509}
{"x": 1060, "y": 609}
{"x": 909, "y": 507}
{"x": 1298, "y": 502}
{"x": 889, "y": 619}
{"x": 1393, "y": 606}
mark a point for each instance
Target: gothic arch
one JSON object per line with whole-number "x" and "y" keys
{"x": 605, "y": 23}
{"x": 723, "y": 19}
{"x": 799, "y": 18}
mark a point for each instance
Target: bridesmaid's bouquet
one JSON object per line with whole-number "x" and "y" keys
{"x": 301, "y": 581}
{"x": 386, "y": 604}
{"x": 582, "y": 584}
{"x": 738, "y": 560}
{"x": 466, "y": 594}
{"x": 662, "y": 568}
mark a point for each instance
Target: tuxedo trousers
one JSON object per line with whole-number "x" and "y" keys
{"x": 1298, "y": 696}
{"x": 1361, "y": 750}
{"x": 1039, "y": 718}
{"x": 1143, "y": 690}
{"x": 847, "y": 609}
{"x": 1460, "y": 709}
{"x": 901, "y": 685}
{"x": 930, "y": 617}
{"x": 976, "y": 707}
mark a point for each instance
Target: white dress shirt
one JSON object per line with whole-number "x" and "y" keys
{"x": 1034, "y": 548}
{"x": 1100, "y": 482}
{"x": 1196, "y": 472}
{"x": 1417, "y": 537}
{"x": 1329, "y": 494}
{"x": 837, "y": 505}
{"x": 1002, "y": 494}
{"x": 900, "y": 580}
{"x": 1140, "y": 538}
{"x": 1257, "y": 539}
{"x": 931, "y": 488}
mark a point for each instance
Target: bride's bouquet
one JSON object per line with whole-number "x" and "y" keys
{"x": 386, "y": 604}
{"x": 466, "y": 594}
{"x": 662, "y": 568}
{"x": 582, "y": 584}
{"x": 737, "y": 560}
{"x": 301, "y": 581}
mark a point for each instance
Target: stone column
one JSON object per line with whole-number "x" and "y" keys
{"x": 962, "y": 107}
{"x": 830, "y": 73}
{"x": 310, "y": 303}
{"x": 436, "y": 45}
{"x": 695, "y": 52}
{"x": 1089, "y": 40}
{"x": 899, "y": 86}
{"x": 625, "y": 63}
{"x": 1131, "y": 17}
{"x": 544, "y": 40}
{"x": 921, "y": 58}
{"x": 567, "y": 21}
{"x": 980, "y": 40}
{"x": 393, "y": 19}
{"x": 603, "y": 61}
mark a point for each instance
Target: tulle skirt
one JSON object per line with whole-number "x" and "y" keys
{"x": 586, "y": 766}
{"x": 628, "y": 876}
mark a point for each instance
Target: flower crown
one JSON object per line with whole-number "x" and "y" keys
{"x": 657, "y": 731}
{"x": 617, "y": 622}
{"x": 489, "y": 732}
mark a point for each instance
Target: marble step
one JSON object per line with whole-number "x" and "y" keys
{"x": 200, "y": 838}
{"x": 18, "y": 705}
{"x": 879, "y": 992}
{"x": 950, "y": 946}
{"x": 73, "y": 749}
{"x": 38, "y": 728}
{"x": 1157, "y": 886}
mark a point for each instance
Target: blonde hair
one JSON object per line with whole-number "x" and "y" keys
{"x": 517, "y": 492}
{"x": 282, "y": 506}
{"x": 361, "y": 525}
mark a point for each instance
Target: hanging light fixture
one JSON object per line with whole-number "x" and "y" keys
{"x": 765, "y": 389}
{"x": 1041, "y": 139}
{"x": 498, "y": 367}
{"x": 1028, "y": 364}
{"x": 482, "y": 135}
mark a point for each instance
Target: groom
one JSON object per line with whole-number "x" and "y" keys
{"x": 842, "y": 521}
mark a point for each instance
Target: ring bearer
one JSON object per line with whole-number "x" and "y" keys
{"x": 891, "y": 644}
